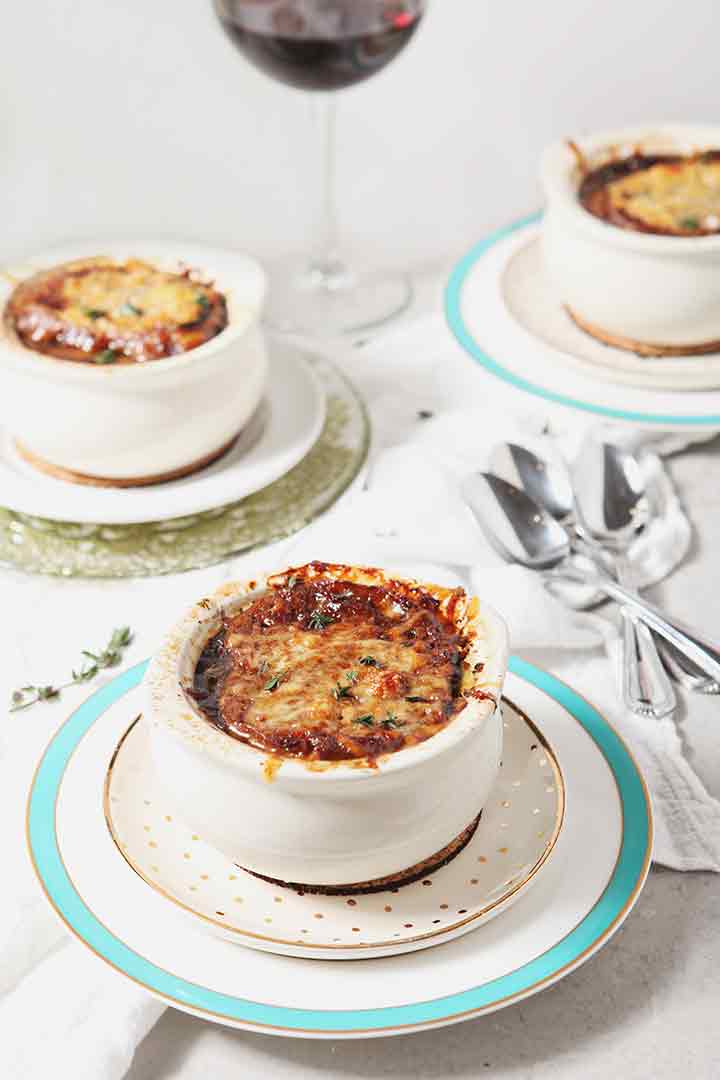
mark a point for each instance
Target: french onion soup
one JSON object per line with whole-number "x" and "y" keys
{"x": 666, "y": 194}
{"x": 328, "y": 669}
{"x": 102, "y": 311}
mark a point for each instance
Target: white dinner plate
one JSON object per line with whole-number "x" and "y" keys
{"x": 585, "y": 891}
{"x": 503, "y": 310}
{"x": 281, "y": 433}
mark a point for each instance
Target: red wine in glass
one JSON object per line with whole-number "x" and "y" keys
{"x": 324, "y": 45}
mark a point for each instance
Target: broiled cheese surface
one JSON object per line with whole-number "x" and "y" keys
{"x": 675, "y": 197}
{"x": 668, "y": 195}
{"x": 330, "y": 670}
{"x": 103, "y": 311}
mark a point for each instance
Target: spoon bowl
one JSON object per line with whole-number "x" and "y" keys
{"x": 514, "y": 524}
{"x": 544, "y": 481}
{"x": 611, "y": 498}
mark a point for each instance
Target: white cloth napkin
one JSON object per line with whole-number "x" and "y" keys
{"x": 63, "y": 1012}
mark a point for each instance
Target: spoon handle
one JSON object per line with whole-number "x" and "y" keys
{"x": 647, "y": 689}
{"x": 701, "y": 650}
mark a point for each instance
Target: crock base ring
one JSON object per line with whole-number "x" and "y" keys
{"x": 391, "y": 881}
{"x": 59, "y": 472}
{"x": 641, "y": 348}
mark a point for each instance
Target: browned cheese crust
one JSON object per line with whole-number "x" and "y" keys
{"x": 669, "y": 195}
{"x": 327, "y": 669}
{"x": 106, "y": 312}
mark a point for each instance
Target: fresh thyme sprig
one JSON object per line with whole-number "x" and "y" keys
{"x": 93, "y": 663}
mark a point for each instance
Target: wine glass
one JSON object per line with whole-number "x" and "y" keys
{"x": 325, "y": 46}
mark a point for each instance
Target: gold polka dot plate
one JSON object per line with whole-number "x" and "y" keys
{"x": 512, "y": 843}
{"x": 559, "y": 858}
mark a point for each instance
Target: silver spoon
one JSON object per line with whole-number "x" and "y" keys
{"x": 684, "y": 672}
{"x": 550, "y": 485}
{"x": 612, "y": 508}
{"x": 521, "y": 531}
{"x": 545, "y": 482}
{"x": 646, "y": 689}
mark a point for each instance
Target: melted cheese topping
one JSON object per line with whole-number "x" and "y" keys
{"x": 330, "y": 670}
{"x": 679, "y": 196}
{"x": 107, "y": 311}
{"x": 134, "y": 295}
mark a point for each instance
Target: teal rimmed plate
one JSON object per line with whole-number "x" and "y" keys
{"x": 479, "y": 318}
{"x": 589, "y": 887}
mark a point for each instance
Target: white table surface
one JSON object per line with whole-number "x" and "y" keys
{"x": 645, "y": 1007}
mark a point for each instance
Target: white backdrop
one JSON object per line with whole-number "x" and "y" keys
{"x": 138, "y": 115}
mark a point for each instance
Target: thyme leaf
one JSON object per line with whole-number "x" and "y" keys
{"x": 342, "y": 692}
{"x": 95, "y": 313}
{"x": 318, "y": 621}
{"x": 415, "y": 698}
{"x": 369, "y": 661}
{"x": 273, "y": 683}
{"x": 367, "y": 721}
{"x": 391, "y": 721}
{"x": 107, "y": 356}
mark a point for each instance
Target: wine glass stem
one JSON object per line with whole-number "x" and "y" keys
{"x": 326, "y": 269}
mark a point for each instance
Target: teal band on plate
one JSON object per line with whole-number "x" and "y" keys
{"x": 456, "y": 322}
{"x": 623, "y": 886}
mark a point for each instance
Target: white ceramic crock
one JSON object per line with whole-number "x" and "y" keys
{"x": 654, "y": 290}
{"x": 323, "y": 823}
{"x": 139, "y": 420}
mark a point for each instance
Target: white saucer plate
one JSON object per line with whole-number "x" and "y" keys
{"x": 502, "y": 308}
{"x": 281, "y": 433}
{"x": 511, "y": 847}
{"x": 583, "y": 894}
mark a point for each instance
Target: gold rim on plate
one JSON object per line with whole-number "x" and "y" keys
{"x": 355, "y": 947}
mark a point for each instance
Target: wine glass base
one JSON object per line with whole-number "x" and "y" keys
{"x": 327, "y": 300}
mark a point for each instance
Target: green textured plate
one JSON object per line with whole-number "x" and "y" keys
{"x": 70, "y": 549}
